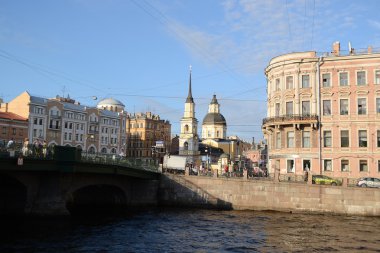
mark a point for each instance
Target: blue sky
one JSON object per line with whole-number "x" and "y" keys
{"x": 139, "y": 51}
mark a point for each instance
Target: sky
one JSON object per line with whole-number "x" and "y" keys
{"x": 140, "y": 51}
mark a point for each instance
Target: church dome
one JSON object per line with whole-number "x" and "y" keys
{"x": 110, "y": 104}
{"x": 213, "y": 118}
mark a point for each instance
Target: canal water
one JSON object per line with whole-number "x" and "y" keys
{"x": 179, "y": 230}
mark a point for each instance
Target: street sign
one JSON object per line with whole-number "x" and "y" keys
{"x": 160, "y": 144}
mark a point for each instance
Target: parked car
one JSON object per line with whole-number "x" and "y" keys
{"x": 322, "y": 179}
{"x": 369, "y": 182}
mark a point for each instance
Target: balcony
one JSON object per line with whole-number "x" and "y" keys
{"x": 53, "y": 127}
{"x": 93, "y": 131}
{"x": 291, "y": 119}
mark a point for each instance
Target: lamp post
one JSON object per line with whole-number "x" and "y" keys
{"x": 206, "y": 150}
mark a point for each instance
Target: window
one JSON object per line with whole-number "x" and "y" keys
{"x": 290, "y": 139}
{"x": 70, "y": 125}
{"x": 344, "y": 138}
{"x": 377, "y": 76}
{"x": 65, "y": 137}
{"x": 278, "y": 140}
{"x": 327, "y": 165}
{"x": 305, "y": 107}
{"x": 362, "y": 106}
{"x": 277, "y": 84}
{"x": 363, "y": 166}
{"x": 289, "y": 82}
{"x": 327, "y": 139}
{"x": 378, "y": 138}
{"x": 35, "y": 121}
{"x": 289, "y": 108}
{"x": 278, "y": 109}
{"x": 377, "y": 105}
{"x": 326, "y": 107}
{"x": 14, "y": 131}
{"x": 344, "y": 107}
{"x": 305, "y": 81}
{"x": 306, "y": 139}
{"x": 326, "y": 80}
{"x": 343, "y": 79}
{"x": 344, "y": 165}
{"x": 306, "y": 165}
{"x": 4, "y": 130}
{"x": 360, "y": 78}
{"x": 290, "y": 166}
{"x": 362, "y": 138}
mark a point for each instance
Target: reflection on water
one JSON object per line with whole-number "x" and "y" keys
{"x": 178, "y": 230}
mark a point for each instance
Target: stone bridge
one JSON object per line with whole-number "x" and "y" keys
{"x": 70, "y": 186}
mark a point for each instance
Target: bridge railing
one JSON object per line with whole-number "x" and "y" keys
{"x": 60, "y": 153}
{"x": 114, "y": 159}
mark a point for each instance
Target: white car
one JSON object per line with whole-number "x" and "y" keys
{"x": 369, "y": 182}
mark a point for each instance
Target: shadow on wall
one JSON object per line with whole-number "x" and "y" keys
{"x": 176, "y": 190}
{"x": 13, "y": 196}
{"x": 97, "y": 200}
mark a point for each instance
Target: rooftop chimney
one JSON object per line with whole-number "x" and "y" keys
{"x": 336, "y": 48}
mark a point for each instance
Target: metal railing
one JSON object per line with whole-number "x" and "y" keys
{"x": 48, "y": 153}
{"x": 114, "y": 159}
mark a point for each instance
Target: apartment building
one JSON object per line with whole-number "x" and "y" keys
{"x": 324, "y": 113}
{"x": 64, "y": 121}
{"x": 144, "y": 132}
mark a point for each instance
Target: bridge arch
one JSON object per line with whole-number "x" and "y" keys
{"x": 96, "y": 199}
{"x": 13, "y": 196}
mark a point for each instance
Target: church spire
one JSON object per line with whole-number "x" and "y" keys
{"x": 189, "y": 98}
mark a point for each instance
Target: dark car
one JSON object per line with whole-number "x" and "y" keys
{"x": 369, "y": 182}
{"x": 322, "y": 179}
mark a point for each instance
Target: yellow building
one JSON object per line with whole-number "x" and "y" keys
{"x": 148, "y": 136}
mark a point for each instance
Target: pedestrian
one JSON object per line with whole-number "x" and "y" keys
{"x": 11, "y": 144}
{"x": 44, "y": 148}
{"x": 25, "y": 149}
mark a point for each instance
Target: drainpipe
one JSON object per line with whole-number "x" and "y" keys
{"x": 320, "y": 62}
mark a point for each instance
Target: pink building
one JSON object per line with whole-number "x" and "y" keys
{"x": 324, "y": 113}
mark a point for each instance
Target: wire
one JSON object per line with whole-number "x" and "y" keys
{"x": 163, "y": 19}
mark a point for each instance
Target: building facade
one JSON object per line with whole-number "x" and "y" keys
{"x": 12, "y": 126}
{"x": 63, "y": 121}
{"x": 148, "y": 136}
{"x": 324, "y": 113}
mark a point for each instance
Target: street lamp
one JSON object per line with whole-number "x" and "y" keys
{"x": 206, "y": 150}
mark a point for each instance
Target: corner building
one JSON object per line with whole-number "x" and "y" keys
{"x": 323, "y": 113}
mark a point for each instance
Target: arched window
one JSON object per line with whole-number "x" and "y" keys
{"x": 113, "y": 151}
{"x": 104, "y": 151}
{"x": 186, "y": 128}
{"x": 186, "y": 146}
{"x": 91, "y": 150}
{"x": 217, "y": 134}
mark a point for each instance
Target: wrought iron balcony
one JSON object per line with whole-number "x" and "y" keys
{"x": 291, "y": 119}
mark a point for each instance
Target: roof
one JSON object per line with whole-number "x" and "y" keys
{"x": 38, "y": 100}
{"x": 74, "y": 107}
{"x": 110, "y": 102}
{"x": 108, "y": 113}
{"x": 11, "y": 116}
{"x": 213, "y": 118}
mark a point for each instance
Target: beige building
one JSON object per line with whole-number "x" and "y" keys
{"x": 63, "y": 121}
{"x": 324, "y": 113}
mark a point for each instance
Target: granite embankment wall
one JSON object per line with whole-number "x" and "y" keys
{"x": 243, "y": 194}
